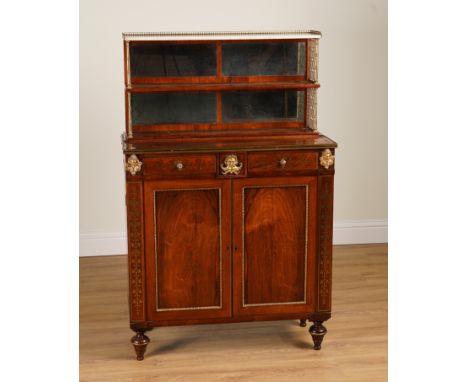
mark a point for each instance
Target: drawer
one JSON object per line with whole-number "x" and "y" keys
{"x": 272, "y": 163}
{"x": 180, "y": 166}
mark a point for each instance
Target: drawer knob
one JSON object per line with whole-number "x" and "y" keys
{"x": 283, "y": 162}
{"x": 231, "y": 165}
{"x": 179, "y": 165}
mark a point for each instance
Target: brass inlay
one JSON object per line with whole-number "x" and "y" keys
{"x": 133, "y": 164}
{"x": 306, "y": 186}
{"x": 327, "y": 158}
{"x": 127, "y": 52}
{"x": 311, "y": 111}
{"x": 158, "y": 309}
{"x": 231, "y": 165}
{"x": 313, "y": 60}
{"x": 138, "y": 36}
{"x": 129, "y": 107}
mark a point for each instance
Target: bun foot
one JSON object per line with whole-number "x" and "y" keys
{"x": 303, "y": 323}
{"x": 139, "y": 342}
{"x": 317, "y": 331}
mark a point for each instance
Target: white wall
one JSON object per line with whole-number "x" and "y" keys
{"x": 352, "y": 101}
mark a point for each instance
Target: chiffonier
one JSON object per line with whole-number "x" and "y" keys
{"x": 229, "y": 184}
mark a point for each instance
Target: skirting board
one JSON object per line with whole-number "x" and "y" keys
{"x": 344, "y": 232}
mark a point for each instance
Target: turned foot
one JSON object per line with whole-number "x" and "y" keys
{"x": 139, "y": 342}
{"x": 303, "y": 322}
{"x": 317, "y": 331}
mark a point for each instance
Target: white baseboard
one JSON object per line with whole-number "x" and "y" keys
{"x": 360, "y": 232}
{"x": 102, "y": 244}
{"x": 344, "y": 232}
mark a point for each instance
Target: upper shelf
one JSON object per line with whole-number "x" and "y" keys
{"x": 252, "y": 35}
{"x": 223, "y": 86}
{"x": 208, "y": 61}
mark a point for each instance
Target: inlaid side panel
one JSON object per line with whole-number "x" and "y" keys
{"x": 275, "y": 256}
{"x": 274, "y": 236}
{"x": 325, "y": 241}
{"x": 188, "y": 248}
{"x": 135, "y": 250}
{"x": 188, "y": 234}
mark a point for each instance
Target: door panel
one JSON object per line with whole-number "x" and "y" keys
{"x": 274, "y": 233}
{"x": 188, "y": 249}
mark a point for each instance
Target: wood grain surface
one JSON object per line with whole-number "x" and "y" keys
{"x": 295, "y": 163}
{"x": 190, "y": 166}
{"x": 188, "y": 248}
{"x": 274, "y": 244}
{"x": 355, "y": 348}
{"x": 187, "y": 237}
{"x": 272, "y": 220}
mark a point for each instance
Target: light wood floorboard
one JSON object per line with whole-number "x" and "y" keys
{"x": 354, "y": 349}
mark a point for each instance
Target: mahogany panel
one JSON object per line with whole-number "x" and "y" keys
{"x": 282, "y": 163}
{"x": 188, "y": 250}
{"x": 187, "y": 228}
{"x": 274, "y": 245}
{"x": 179, "y": 166}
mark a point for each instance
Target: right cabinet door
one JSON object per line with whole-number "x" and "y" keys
{"x": 274, "y": 231}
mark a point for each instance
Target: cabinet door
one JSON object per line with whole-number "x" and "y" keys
{"x": 188, "y": 260}
{"x": 274, "y": 241}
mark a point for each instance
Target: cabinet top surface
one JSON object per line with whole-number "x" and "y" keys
{"x": 308, "y": 141}
{"x": 235, "y": 35}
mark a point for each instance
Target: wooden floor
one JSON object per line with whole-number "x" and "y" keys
{"x": 355, "y": 348}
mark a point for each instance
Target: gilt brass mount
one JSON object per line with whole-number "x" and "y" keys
{"x": 231, "y": 165}
{"x": 133, "y": 164}
{"x": 327, "y": 158}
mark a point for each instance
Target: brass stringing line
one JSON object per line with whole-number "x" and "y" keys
{"x": 128, "y": 62}
{"x": 220, "y": 251}
{"x": 306, "y": 240}
{"x": 130, "y": 128}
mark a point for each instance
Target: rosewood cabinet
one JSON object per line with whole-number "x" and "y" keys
{"x": 229, "y": 184}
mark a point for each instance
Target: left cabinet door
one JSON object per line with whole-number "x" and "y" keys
{"x": 188, "y": 249}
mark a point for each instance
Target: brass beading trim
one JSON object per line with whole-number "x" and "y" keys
{"x": 223, "y": 35}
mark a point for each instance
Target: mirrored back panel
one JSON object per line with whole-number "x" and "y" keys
{"x": 244, "y": 106}
{"x": 263, "y": 58}
{"x": 172, "y": 60}
{"x": 217, "y": 110}
{"x": 215, "y": 62}
{"x": 173, "y": 108}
